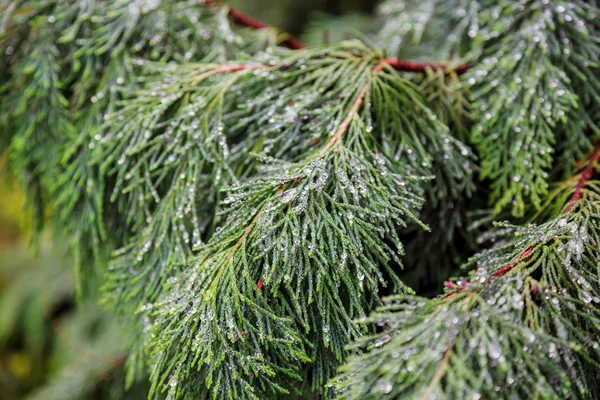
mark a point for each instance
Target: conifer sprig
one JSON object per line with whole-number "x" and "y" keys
{"x": 137, "y": 168}
{"x": 528, "y": 96}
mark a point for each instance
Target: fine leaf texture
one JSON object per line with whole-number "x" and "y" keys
{"x": 243, "y": 206}
{"x": 525, "y": 324}
{"x": 334, "y": 172}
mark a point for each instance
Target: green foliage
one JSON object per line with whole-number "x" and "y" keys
{"x": 65, "y": 62}
{"x": 525, "y": 324}
{"x": 428, "y": 29}
{"x": 431, "y": 257}
{"x": 533, "y": 85}
{"x": 337, "y": 175}
{"x": 243, "y": 207}
{"x": 529, "y": 96}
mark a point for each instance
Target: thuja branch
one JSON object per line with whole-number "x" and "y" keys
{"x": 306, "y": 221}
{"x": 584, "y": 177}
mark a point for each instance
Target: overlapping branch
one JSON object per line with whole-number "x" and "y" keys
{"x": 537, "y": 325}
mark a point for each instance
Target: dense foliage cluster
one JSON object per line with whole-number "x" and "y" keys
{"x": 242, "y": 202}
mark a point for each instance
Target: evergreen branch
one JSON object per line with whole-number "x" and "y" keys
{"x": 100, "y": 45}
{"x": 312, "y": 215}
{"x": 551, "y": 61}
{"x": 259, "y": 198}
{"x": 398, "y": 65}
{"x": 475, "y": 344}
{"x": 164, "y": 244}
{"x": 527, "y": 102}
{"x": 136, "y": 130}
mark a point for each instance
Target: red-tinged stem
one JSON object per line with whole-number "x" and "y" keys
{"x": 343, "y": 127}
{"x": 353, "y": 110}
{"x": 224, "y": 70}
{"x": 346, "y": 122}
{"x": 397, "y": 65}
{"x": 458, "y": 287}
{"x": 245, "y": 20}
{"x": 410, "y": 66}
{"x": 526, "y": 256}
{"x": 586, "y": 175}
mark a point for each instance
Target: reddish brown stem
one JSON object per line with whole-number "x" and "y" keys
{"x": 225, "y": 69}
{"x": 526, "y": 256}
{"x": 353, "y": 110}
{"x": 586, "y": 175}
{"x": 346, "y": 122}
{"x": 410, "y": 66}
